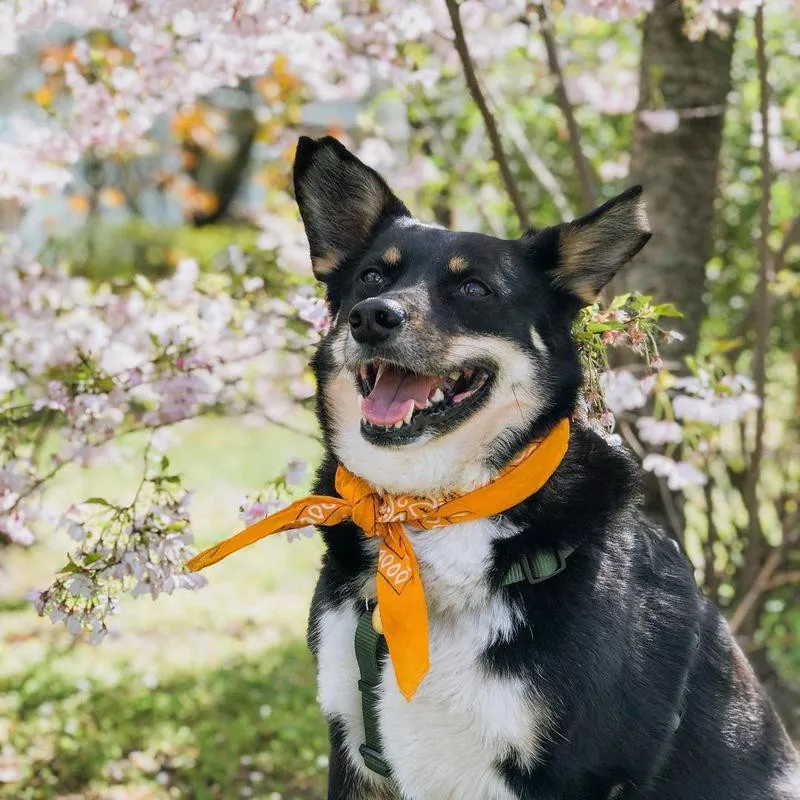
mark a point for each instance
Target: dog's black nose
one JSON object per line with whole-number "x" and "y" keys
{"x": 375, "y": 320}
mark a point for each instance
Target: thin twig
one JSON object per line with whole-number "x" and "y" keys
{"x": 763, "y": 315}
{"x": 540, "y": 170}
{"x": 784, "y": 579}
{"x": 50, "y": 474}
{"x": 146, "y": 459}
{"x": 488, "y": 119}
{"x": 588, "y": 193}
{"x": 764, "y": 577}
{"x": 667, "y": 500}
{"x": 791, "y": 237}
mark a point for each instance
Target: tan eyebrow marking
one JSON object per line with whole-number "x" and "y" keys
{"x": 392, "y": 255}
{"x": 457, "y": 263}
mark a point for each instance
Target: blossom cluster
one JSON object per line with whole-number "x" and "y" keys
{"x": 275, "y": 496}
{"x": 179, "y": 53}
{"x": 140, "y": 548}
{"x": 681, "y": 434}
{"x": 672, "y": 422}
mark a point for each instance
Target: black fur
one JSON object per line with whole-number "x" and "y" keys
{"x": 621, "y": 641}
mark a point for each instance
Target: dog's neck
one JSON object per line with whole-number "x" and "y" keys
{"x": 421, "y": 472}
{"x": 455, "y": 464}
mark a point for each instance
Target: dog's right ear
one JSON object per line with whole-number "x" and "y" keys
{"x": 342, "y": 201}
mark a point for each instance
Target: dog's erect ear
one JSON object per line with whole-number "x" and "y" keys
{"x": 590, "y": 250}
{"x": 341, "y": 200}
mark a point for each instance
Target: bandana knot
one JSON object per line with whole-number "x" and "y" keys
{"x": 401, "y": 598}
{"x": 363, "y": 500}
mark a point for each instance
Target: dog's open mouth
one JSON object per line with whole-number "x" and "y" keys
{"x": 397, "y": 404}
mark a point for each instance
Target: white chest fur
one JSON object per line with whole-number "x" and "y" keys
{"x": 445, "y": 742}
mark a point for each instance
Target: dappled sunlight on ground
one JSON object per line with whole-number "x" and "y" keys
{"x": 206, "y": 694}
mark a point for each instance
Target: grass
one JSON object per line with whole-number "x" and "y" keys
{"x": 200, "y": 695}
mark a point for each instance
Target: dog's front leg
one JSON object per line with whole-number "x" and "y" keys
{"x": 344, "y": 781}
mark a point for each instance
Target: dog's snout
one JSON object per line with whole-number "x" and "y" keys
{"x": 375, "y": 320}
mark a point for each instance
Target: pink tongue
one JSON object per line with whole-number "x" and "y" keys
{"x": 395, "y": 394}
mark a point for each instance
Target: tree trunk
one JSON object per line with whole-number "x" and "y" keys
{"x": 679, "y": 169}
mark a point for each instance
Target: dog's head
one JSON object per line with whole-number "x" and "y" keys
{"x": 448, "y": 350}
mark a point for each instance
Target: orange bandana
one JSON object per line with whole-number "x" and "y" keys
{"x": 401, "y": 599}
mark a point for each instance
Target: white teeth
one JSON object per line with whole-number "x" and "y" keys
{"x": 381, "y": 370}
{"x": 408, "y": 416}
{"x": 437, "y": 396}
{"x": 399, "y": 424}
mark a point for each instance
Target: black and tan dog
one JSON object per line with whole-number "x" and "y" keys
{"x": 614, "y": 678}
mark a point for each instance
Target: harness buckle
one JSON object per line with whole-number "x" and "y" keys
{"x": 543, "y": 566}
{"x": 374, "y": 760}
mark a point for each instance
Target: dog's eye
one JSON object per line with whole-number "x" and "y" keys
{"x": 372, "y": 278}
{"x": 475, "y": 288}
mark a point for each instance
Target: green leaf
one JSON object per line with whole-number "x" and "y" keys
{"x": 143, "y": 285}
{"x": 98, "y": 501}
{"x": 726, "y": 345}
{"x": 638, "y": 301}
{"x": 599, "y": 327}
{"x": 666, "y": 310}
{"x": 620, "y": 300}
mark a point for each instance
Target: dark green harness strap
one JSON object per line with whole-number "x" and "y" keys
{"x": 370, "y": 651}
{"x": 371, "y": 647}
{"x": 539, "y": 566}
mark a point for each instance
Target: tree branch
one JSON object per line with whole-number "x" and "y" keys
{"x": 673, "y": 516}
{"x": 784, "y": 578}
{"x": 488, "y": 119}
{"x": 588, "y": 193}
{"x": 763, "y": 315}
{"x": 791, "y": 237}
{"x": 540, "y": 170}
{"x": 764, "y": 578}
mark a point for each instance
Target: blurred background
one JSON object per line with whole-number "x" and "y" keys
{"x": 157, "y": 313}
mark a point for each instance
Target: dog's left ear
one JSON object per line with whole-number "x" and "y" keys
{"x": 582, "y": 256}
{"x": 341, "y": 199}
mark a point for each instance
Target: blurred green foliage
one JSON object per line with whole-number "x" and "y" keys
{"x": 252, "y": 724}
{"x": 104, "y": 251}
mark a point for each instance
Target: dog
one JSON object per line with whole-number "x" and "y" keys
{"x": 447, "y": 354}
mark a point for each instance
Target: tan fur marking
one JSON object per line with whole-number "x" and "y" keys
{"x": 457, "y": 263}
{"x": 322, "y": 265}
{"x": 392, "y": 255}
